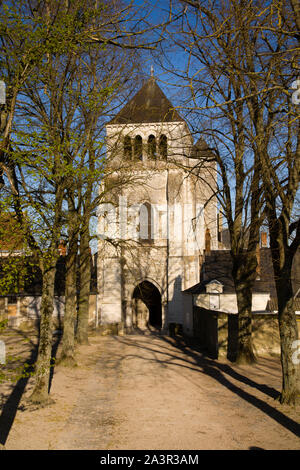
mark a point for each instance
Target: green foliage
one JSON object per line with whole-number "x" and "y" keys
{"x": 3, "y": 325}
{"x": 11, "y": 275}
{"x": 9, "y": 373}
{"x": 15, "y": 272}
{"x": 15, "y": 370}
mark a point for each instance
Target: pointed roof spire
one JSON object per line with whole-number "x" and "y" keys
{"x": 148, "y": 105}
{"x": 152, "y": 71}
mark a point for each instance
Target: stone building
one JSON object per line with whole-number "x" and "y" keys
{"x": 163, "y": 255}
{"x": 159, "y": 215}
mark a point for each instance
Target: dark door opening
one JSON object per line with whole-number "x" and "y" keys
{"x": 147, "y": 306}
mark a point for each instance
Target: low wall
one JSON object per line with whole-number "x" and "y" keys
{"x": 265, "y": 334}
{"x": 218, "y": 333}
{"x": 26, "y": 308}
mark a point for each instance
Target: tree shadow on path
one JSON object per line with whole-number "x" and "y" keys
{"x": 11, "y": 406}
{"x": 216, "y": 370}
{"x": 195, "y": 360}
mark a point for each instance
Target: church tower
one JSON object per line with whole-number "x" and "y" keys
{"x": 158, "y": 217}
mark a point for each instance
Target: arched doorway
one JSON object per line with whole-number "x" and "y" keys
{"x": 147, "y": 312}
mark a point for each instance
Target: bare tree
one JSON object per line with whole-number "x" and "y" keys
{"x": 239, "y": 68}
{"x": 277, "y": 140}
{"x": 210, "y": 38}
{"x": 101, "y": 76}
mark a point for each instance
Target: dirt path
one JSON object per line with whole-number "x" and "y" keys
{"x": 147, "y": 392}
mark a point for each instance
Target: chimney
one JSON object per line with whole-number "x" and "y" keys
{"x": 264, "y": 239}
{"x": 207, "y": 241}
{"x": 62, "y": 248}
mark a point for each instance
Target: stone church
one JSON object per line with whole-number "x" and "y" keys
{"x": 158, "y": 215}
{"x": 164, "y": 259}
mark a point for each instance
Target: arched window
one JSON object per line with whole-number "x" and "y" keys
{"x": 151, "y": 146}
{"x": 127, "y": 148}
{"x": 163, "y": 146}
{"x": 138, "y": 148}
{"x": 146, "y": 215}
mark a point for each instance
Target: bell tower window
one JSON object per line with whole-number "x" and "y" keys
{"x": 163, "y": 147}
{"x": 127, "y": 148}
{"x": 152, "y": 146}
{"x": 138, "y": 148}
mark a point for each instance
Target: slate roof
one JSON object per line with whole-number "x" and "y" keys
{"x": 200, "y": 149}
{"x": 149, "y": 104}
{"x": 272, "y": 304}
{"x": 218, "y": 266}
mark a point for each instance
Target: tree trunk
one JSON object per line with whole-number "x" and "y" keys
{"x": 40, "y": 393}
{"x": 245, "y": 353}
{"x": 243, "y": 280}
{"x": 288, "y": 331}
{"x": 296, "y": 10}
{"x": 67, "y": 357}
{"x": 282, "y": 259}
{"x": 84, "y": 289}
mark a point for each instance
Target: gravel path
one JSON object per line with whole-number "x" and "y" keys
{"x": 155, "y": 393}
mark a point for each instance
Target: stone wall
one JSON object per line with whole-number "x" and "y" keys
{"x": 218, "y": 333}
{"x": 27, "y": 309}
